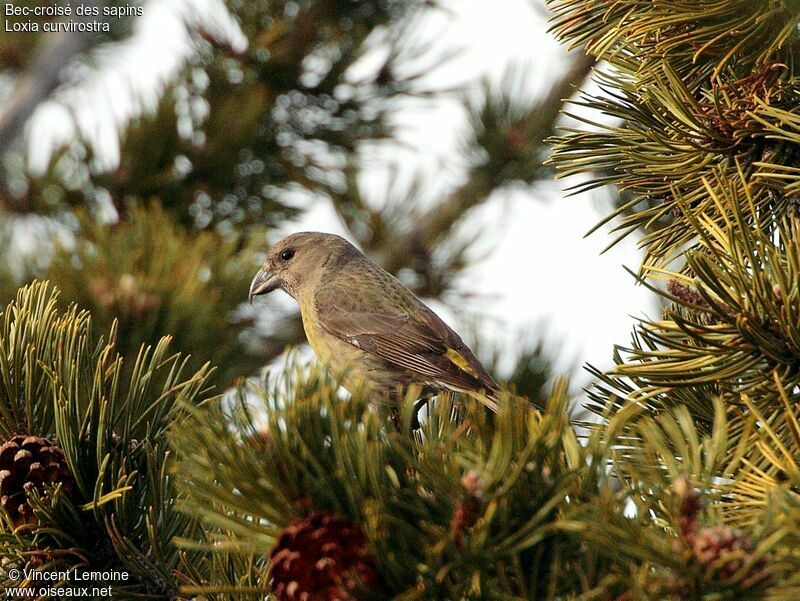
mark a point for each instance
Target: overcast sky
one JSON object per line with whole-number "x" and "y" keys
{"x": 541, "y": 274}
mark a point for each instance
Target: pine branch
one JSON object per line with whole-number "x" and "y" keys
{"x": 463, "y": 504}
{"x": 508, "y": 138}
{"x": 153, "y": 278}
{"x": 674, "y": 122}
{"x": 108, "y": 503}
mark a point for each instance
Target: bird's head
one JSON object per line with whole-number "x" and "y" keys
{"x": 297, "y": 262}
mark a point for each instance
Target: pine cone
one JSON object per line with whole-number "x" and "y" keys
{"x": 321, "y": 558}
{"x": 468, "y": 509}
{"x": 712, "y": 544}
{"x": 686, "y": 294}
{"x": 28, "y": 462}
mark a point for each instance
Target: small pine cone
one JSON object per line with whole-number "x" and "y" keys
{"x": 464, "y": 517}
{"x": 321, "y": 558}
{"x": 468, "y": 509}
{"x": 711, "y": 545}
{"x": 27, "y": 463}
{"x": 685, "y": 294}
{"x": 472, "y": 484}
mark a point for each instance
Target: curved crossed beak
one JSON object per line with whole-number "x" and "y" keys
{"x": 264, "y": 283}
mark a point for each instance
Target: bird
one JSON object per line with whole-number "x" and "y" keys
{"x": 367, "y": 327}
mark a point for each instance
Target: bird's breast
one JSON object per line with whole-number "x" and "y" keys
{"x": 345, "y": 359}
{"x": 314, "y": 332}
{"x": 330, "y": 350}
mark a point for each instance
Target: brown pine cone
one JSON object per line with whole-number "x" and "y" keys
{"x": 322, "y": 558}
{"x": 468, "y": 509}
{"x": 712, "y": 545}
{"x": 27, "y": 463}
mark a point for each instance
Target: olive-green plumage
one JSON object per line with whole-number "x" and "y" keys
{"x": 363, "y": 323}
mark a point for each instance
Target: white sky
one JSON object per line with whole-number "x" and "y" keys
{"x": 541, "y": 274}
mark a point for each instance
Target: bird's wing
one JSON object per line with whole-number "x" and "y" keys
{"x": 416, "y": 340}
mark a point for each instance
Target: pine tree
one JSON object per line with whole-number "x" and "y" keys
{"x": 700, "y": 136}
{"x": 85, "y": 458}
{"x": 159, "y": 251}
{"x": 210, "y": 169}
{"x": 116, "y": 456}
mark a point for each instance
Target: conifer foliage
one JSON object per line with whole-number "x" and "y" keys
{"x": 85, "y": 485}
{"x": 699, "y": 133}
{"x": 115, "y": 455}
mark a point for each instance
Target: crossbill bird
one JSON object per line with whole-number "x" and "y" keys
{"x": 366, "y": 325}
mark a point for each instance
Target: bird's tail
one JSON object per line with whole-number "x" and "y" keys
{"x": 490, "y": 398}
{"x": 494, "y": 398}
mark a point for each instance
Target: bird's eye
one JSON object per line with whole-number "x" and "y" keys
{"x": 287, "y": 254}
